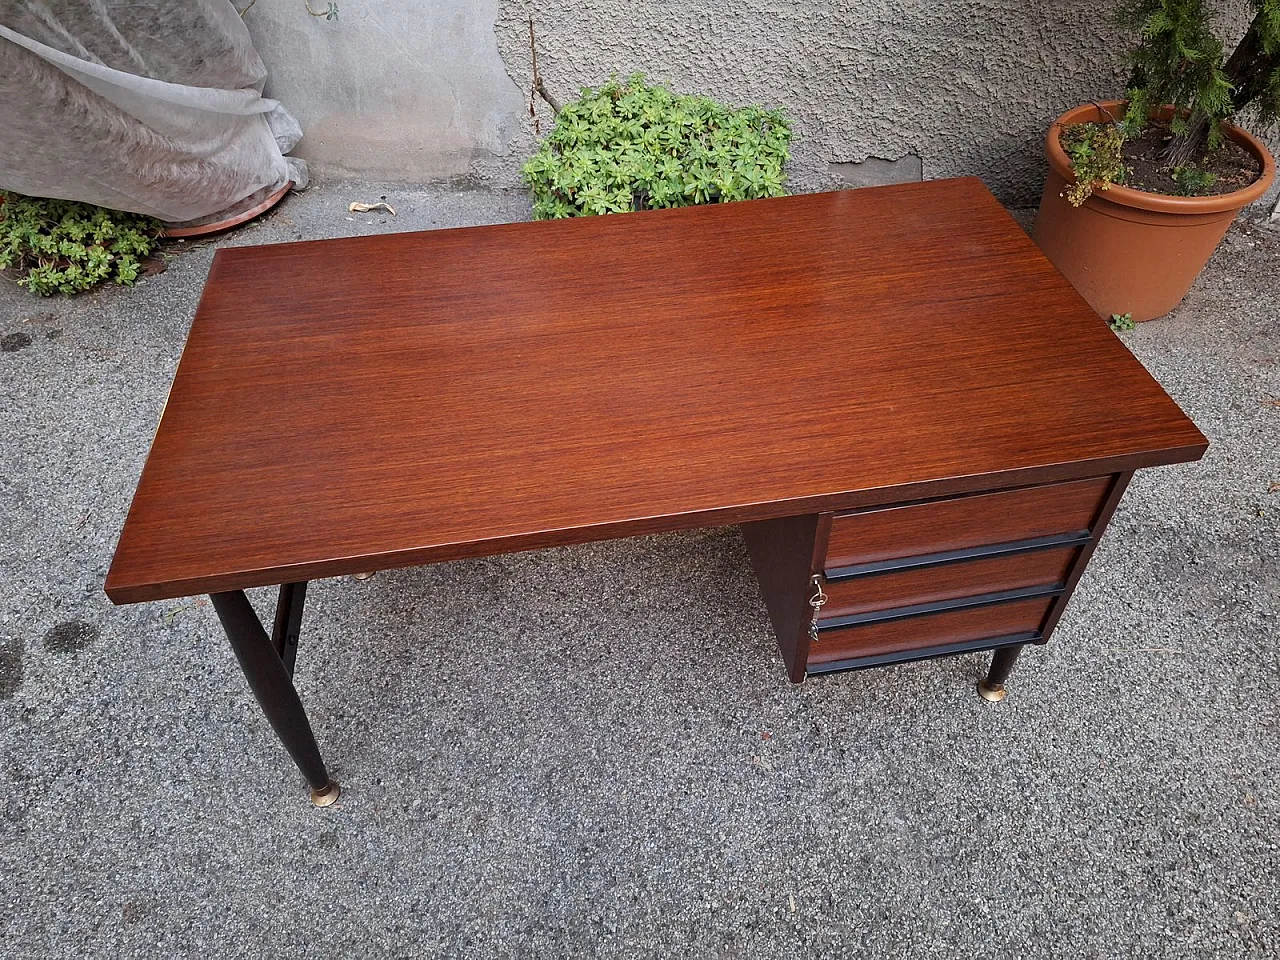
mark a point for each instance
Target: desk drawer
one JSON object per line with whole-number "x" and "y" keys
{"x": 948, "y": 581}
{"x": 991, "y": 621}
{"x": 939, "y": 526}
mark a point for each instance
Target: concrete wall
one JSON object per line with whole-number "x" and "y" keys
{"x": 414, "y": 90}
{"x": 408, "y": 90}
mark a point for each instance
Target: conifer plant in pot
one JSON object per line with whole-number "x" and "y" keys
{"x": 1140, "y": 191}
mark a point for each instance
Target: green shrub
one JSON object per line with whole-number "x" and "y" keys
{"x": 60, "y": 246}
{"x": 631, "y": 146}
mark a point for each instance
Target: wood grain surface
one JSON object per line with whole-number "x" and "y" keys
{"x": 783, "y": 555}
{"x": 965, "y": 578}
{"x": 931, "y": 630}
{"x": 942, "y": 525}
{"x": 376, "y": 402}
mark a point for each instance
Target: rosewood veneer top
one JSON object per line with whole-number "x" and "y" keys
{"x": 367, "y": 403}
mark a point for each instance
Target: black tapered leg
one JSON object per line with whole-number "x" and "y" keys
{"x": 270, "y": 682}
{"x": 288, "y": 625}
{"x": 992, "y": 686}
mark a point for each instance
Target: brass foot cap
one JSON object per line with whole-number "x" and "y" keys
{"x": 363, "y": 576}
{"x": 991, "y": 692}
{"x": 326, "y": 795}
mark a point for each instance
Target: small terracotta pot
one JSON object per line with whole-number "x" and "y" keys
{"x": 1129, "y": 251}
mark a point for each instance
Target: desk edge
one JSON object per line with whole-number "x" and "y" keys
{"x": 120, "y": 591}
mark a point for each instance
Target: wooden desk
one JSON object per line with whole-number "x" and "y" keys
{"x": 906, "y": 407}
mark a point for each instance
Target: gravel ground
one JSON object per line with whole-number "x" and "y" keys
{"x": 653, "y": 786}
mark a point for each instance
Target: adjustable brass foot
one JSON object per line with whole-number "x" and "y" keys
{"x": 991, "y": 692}
{"x": 363, "y": 576}
{"x": 326, "y": 795}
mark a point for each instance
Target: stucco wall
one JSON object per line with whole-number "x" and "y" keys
{"x": 407, "y": 90}
{"x": 967, "y": 86}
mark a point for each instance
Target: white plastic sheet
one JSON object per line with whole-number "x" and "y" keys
{"x": 153, "y": 106}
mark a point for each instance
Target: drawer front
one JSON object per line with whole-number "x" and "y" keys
{"x": 888, "y": 533}
{"x": 948, "y": 581}
{"x": 930, "y": 630}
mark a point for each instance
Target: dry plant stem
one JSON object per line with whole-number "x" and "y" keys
{"x": 370, "y": 207}
{"x": 538, "y": 86}
{"x": 1102, "y": 108}
{"x": 542, "y": 92}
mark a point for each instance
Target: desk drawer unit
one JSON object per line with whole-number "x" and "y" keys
{"x": 905, "y": 581}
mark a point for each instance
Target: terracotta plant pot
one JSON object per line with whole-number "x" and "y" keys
{"x": 1129, "y": 251}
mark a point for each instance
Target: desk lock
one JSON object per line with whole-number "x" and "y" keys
{"x": 817, "y": 601}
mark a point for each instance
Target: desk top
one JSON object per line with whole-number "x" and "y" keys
{"x": 378, "y": 402}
